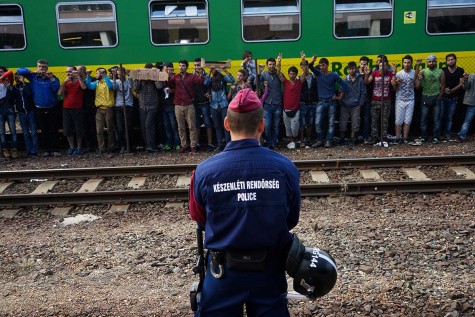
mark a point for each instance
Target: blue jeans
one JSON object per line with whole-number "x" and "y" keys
{"x": 28, "y": 127}
{"x": 307, "y": 115}
{"x": 430, "y": 103}
{"x": 447, "y": 110}
{"x": 171, "y": 127}
{"x": 325, "y": 110}
{"x": 202, "y": 115}
{"x": 469, "y": 114}
{"x": 272, "y": 117}
{"x": 218, "y": 116}
{"x": 7, "y": 115}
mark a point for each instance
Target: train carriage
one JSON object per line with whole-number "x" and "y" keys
{"x": 105, "y": 33}
{"x": 110, "y": 32}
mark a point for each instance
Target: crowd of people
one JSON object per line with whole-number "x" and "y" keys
{"x": 171, "y": 113}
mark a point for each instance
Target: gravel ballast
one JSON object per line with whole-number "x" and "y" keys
{"x": 397, "y": 254}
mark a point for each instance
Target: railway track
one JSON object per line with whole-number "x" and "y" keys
{"x": 316, "y": 183}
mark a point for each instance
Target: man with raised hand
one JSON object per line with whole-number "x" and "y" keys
{"x": 325, "y": 113}
{"x": 45, "y": 90}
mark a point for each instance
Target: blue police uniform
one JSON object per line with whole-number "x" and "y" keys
{"x": 248, "y": 197}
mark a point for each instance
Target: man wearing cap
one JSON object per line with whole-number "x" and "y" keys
{"x": 248, "y": 198}
{"x": 432, "y": 81}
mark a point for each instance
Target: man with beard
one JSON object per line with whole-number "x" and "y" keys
{"x": 403, "y": 82}
{"x": 272, "y": 104}
{"x": 453, "y": 90}
{"x": 184, "y": 83}
{"x": 432, "y": 81}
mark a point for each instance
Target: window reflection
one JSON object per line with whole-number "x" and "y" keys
{"x": 12, "y": 29}
{"x": 87, "y": 25}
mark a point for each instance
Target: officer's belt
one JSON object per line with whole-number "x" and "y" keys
{"x": 250, "y": 260}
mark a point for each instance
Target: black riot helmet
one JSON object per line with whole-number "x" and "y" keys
{"x": 314, "y": 270}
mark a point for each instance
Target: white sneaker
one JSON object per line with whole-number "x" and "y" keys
{"x": 291, "y": 145}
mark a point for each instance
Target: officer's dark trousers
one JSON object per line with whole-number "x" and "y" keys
{"x": 263, "y": 293}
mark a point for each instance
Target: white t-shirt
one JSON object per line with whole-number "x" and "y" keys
{"x": 3, "y": 91}
{"x": 405, "y": 90}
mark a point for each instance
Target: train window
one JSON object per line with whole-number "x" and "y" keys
{"x": 86, "y": 24}
{"x": 12, "y": 28}
{"x": 270, "y": 20}
{"x": 450, "y": 16}
{"x": 363, "y": 18}
{"x": 179, "y": 22}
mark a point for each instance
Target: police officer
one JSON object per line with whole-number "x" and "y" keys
{"x": 248, "y": 198}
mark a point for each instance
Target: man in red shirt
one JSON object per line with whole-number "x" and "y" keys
{"x": 184, "y": 110}
{"x": 73, "y": 115}
{"x": 292, "y": 92}
{"x": 381, "y": 100}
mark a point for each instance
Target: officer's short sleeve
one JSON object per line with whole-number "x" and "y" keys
{"x": 197, "y": 211}
{"x": 294, "y": 199}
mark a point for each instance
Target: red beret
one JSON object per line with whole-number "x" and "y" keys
{"x": 245, "y": 100}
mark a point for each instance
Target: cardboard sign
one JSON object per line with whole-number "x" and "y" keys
{"x": 214, "y": 64}
{"x": 148, "y": 74}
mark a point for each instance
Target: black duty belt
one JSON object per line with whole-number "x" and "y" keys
{"x": 251, "y": 260}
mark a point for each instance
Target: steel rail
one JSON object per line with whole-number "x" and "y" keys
{"x": 101, "y": 197}
{"x": 365, "y": 188}
{"x": 94, "y": 172}
{"x": 386, "y": 162}
{"x": 146, "y": 170}
{"x": 181, "y": 194}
